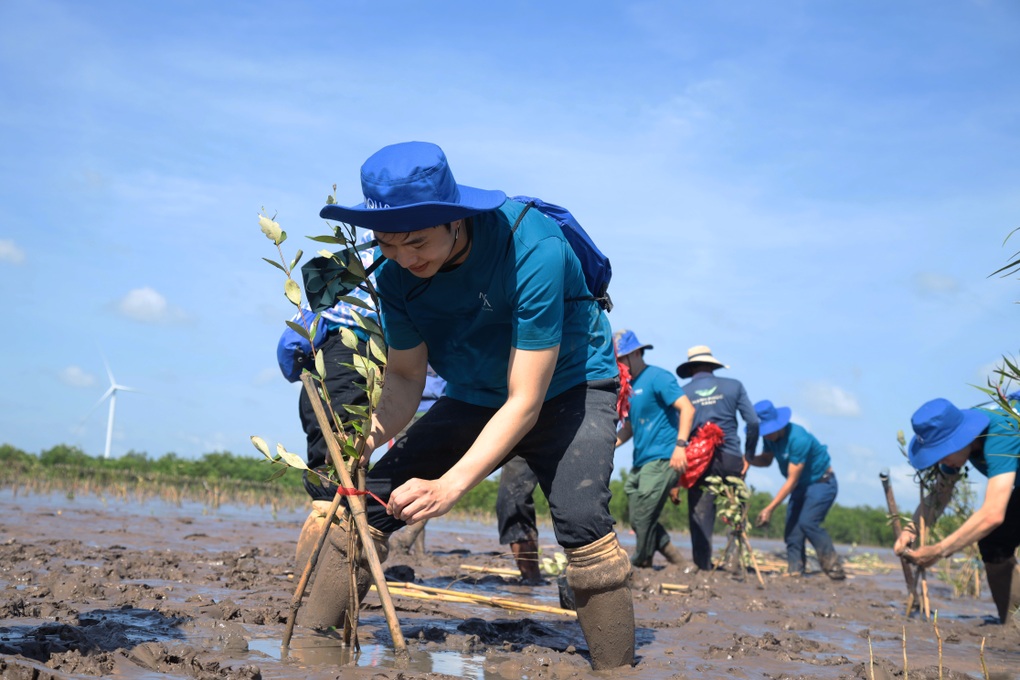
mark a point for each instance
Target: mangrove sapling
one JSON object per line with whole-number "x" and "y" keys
{"x": 345, "y": 450}
{"x": 732, "y": 505}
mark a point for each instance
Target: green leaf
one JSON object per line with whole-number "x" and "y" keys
{"x": 280, "y": 472}
{"x": 261, "y": 445}
{"x": 299, "y": 329}
{"x": 350, "y": 451}
{"x": 271, "y": 229}
{"x": 291, "y": 459}
{"x": 328, "y": 239}
{"x": 357, "y": 302}
{"x": 356, "y": 410}
{"x": 330, "y": 200}
{"x": 297, "y": 258}
{"x": 314, "y": 480}
{"x": 320, "y": 364}
{"x": 355, "y": 266}
{"x": 349, "y": 338}
{"x": 293, "y": 292}
{"x": 283, "y": 237}
{"x": 275, "y": 264}
{"x": 324, "y": 253}
{"x": 368, "y": 324}
{"x": 378, "y": 349}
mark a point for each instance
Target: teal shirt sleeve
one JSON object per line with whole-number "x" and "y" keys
{"x": 668, "y": 390}
{"x": 537, "y": 295}
{"x": 1002, "y": 446}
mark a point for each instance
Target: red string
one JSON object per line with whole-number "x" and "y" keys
{"x": 346, "y": 491}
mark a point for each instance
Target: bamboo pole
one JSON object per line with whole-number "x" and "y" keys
{"x": 908, "y": 571}
{"x": 674, "y": 588}
{"x": 500, "y": 571}
{"x": 356, "y": 504}
{"x": 503, "y": 602}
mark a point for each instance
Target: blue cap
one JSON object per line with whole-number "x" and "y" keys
{"x": 408, "y": 187}
{"x": 941, "y": 429}
{"x": 770, "y": 418}
{"x": 626, "y": 342}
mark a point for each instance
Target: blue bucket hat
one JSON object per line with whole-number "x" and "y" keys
{"x": 408, "y": 187}
{"x": 770, "y": 418}
{"x": 626, "y": 342}
{"x": 941, "y": 429}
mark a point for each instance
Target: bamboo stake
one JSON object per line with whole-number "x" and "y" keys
{"x": 474, "y": 598}
{"x": 674, "y": 587}
{"x": 923, "y": 575}
{"x": 908, "y": 571}
{"x": 356, "y": 504}
{"x": 754, "y": 562}
{"x": 500, "y": 571}
{"x": 905, "y": 674}
{"x": 938, "y": 636}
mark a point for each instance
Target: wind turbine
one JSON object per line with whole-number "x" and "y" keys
{"x": 111, "y": 394}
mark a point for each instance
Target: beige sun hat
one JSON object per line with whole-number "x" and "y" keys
{"x": 699, "y": 354}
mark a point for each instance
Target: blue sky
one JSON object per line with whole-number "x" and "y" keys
{"x": 818, "y": 191}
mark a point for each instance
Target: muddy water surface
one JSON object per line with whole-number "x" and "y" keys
{"x": 96, "y": 588}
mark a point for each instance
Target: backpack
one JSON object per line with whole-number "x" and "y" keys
{"x": 293, "y": 351}
{"x": 596, "y": 267}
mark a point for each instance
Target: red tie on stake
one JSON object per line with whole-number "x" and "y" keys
{"x": 344, "y": 491}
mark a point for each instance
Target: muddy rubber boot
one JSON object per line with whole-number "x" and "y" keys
{"x": 672, "y": 554}
{"x": 598, "y": 573}
{"x": 1004, "y": 582}
{"x": 526, "y": 556}
{"x": 833, "y": 567}
{"x": 329, "y": 597}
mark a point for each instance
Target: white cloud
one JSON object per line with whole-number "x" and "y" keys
{"x": 267, "y": 376}
{"x": 77, "y": 377}
{"x": 146, "y": 305}
{"x": 10, "y": 252}
{"x": 831, "y": 400}
{"x": 930, "y": 284}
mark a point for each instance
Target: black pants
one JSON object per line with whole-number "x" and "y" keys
{"x": 701, "y": 507}
{"x": 515, "y": 503}
{"x": 570, "y": 450}
{"x": 1002, "y": 543}
{"x": 340, "y": 384}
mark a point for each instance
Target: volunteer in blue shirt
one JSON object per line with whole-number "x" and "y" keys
{"x": 717, "y": 400}
{"x": 659, "y": 420}
{"x": 990, "y": 441}
{"x": 810, "y": 486}
{"x": 505, "y": 316}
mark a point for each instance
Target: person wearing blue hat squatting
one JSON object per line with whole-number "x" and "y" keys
{"x": 810, "y": 486}
{"x": 990, "y": 441}
{"x": 659, "y": 420}
{"x": 498, "y": 305}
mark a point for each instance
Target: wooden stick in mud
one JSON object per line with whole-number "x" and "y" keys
{"x": 908, "y": 571}
{"x": 674, "y": 588}
{"x": 499, "y": 571}
{"x": 357, "y": 508}
{"x": 754, "y": 561}
{"x": 922, "y": 574}
{"x": 459, "y": 595}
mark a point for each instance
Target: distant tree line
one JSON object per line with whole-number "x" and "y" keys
{"x": 857, "y": 525}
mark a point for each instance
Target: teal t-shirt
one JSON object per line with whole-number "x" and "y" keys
{"x": 1001, "y": 451}
{"x": 653, "y": 420}
{"x": 512, "y": 291}
{"x": 800, "y": 447}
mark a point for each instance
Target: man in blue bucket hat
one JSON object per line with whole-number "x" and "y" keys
{"x": 505, "y": 316}
{"x": 810, "y": 485}
{"x": 659, "y": 420}
{"x": 990, "y": 441}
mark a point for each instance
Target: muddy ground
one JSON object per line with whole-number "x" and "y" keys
{"x": 92, "y": 587}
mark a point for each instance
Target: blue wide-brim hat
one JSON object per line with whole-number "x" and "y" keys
{"x": 770, "y": 418}
{"x": 627, "y": 342}
{"x": 941, "y": 429}
{"x": 408, "y": 187}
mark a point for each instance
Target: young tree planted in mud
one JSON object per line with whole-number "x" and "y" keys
{"x": 344, "y": 466}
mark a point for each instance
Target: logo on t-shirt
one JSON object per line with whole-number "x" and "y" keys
{"x": 486, "y": 307}
{"x": 706, "y": 393}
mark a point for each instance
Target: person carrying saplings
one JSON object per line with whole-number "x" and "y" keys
{"x": 950, "y": 438}
{"x": 810, "y": 488}
{"x": 716, "y": 400}
{"x": 506, "y": 317}
{"x": 659, "y": 420}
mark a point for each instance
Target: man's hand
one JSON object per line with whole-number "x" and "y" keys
{"x": 923, "y": 557}
{"x": 674, "y": 495}
{"x": 903, "y": 543}
{"x": 764, "y": 517}
{"x": 678, "y": 461}
{"x": 419, "y": 499}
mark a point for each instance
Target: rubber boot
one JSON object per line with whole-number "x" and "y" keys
{"x": 1004, "y": 582}
{"x": 330, "y": 595}
{"x": 526, "y": 556}
{"x": 598, "y": 573}
{"x": 832, "y": 566}
{"x": 672, "y": 554}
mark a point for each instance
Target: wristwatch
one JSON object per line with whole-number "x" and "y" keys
{"x": 681, "y": 442}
